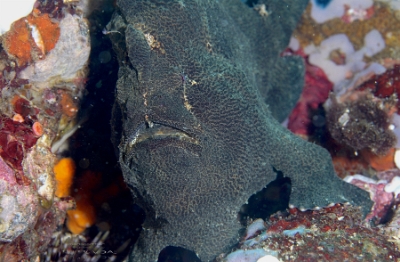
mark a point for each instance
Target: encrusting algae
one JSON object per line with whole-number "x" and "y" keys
{"x": 31, "y": 37}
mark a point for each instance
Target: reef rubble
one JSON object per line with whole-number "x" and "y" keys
{"x": 332, "y": 233}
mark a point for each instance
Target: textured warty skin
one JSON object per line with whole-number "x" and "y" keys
{"x": 198, "y": 81}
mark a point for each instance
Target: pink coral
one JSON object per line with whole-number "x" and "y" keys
{"x": 18, "y": 205}
{"x": 383, "y": 200}
{"x": 29, "y": 215}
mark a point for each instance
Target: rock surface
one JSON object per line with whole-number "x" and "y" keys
{"x": 200, "y": 87}
{"x": 43, "y": 70}
{"x": 303, "y": 236}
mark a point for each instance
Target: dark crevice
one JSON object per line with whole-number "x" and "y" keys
{"x": 250, "y": 3}
{"x": 92, "y": 145}
{"x": 271, "y": 199}
{"x": 177, "y": 254}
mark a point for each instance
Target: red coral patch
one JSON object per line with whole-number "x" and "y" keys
{"x": 15, "y": 139}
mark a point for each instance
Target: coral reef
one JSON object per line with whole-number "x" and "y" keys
{"x": 383, "y": 200}
{"x": 42, "y": 60}
{"x": 191, "y": 124}
{"x": 362, "y": 122}
{"x": 355, "y": 49}
{"x": 384, "y": 85}
{"x": 353, "y": 46}
{"x": 377, "y": 16}
{"x": 19, "y": 207}
{"x": 69, "y": 56}
{"x": 385, "y": 194}
{"x": 331, "y": 234}
{"x": 34, "y": 240}
{"x": 354, "y": 53}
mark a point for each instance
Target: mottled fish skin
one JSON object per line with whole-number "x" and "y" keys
{"x": 196, "y": 138}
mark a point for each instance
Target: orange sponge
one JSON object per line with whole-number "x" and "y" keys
{"x": 35, "y": 34}
{"x": 380, "y": 163}
{"x": 49, "y": 31}
{"x": 82, "y": 217}
{"x": 345, "y": 165}
{"x": 68, "y": 105}
{"x": 18, "y": 42}
{"x": 89, "y": 194}
{"x": 64, "y": 172}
